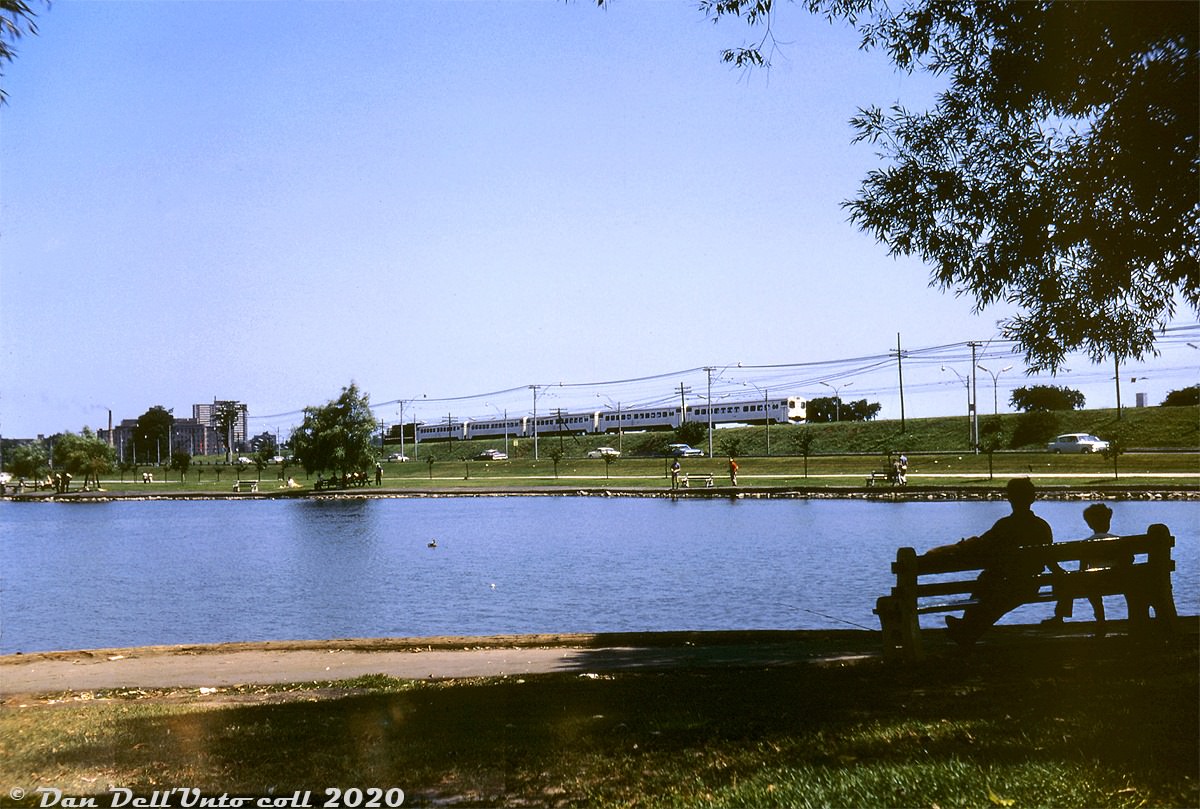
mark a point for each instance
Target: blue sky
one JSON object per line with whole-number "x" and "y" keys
{"x": 266, "y": 201}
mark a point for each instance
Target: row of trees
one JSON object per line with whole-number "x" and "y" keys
{"x": 1048, "y": 398}
{"x": 337, "y": 437}
{"x": 83, "y": 456}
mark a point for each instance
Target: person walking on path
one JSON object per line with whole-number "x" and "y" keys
{"x": 733, "y": 470}
{"x": 675, "y": 468}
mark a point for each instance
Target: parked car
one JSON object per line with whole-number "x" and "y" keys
{"x": 684, "y": 451}
{"x": 1077, "y": 442}
{"x": 491, "y": 455}
{"x": 397, "y": 457}
{"x": 603, "y": 452}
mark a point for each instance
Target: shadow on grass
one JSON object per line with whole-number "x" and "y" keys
{"x": 1074, "y": 722}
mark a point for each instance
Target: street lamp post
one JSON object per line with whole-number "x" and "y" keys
{"x": 505, "y": 417}
{"x": 766, "y": 413}
{"x": 837, "y": 396}
{"x": 966, "y": 384}
{"x": 534, "y": 388}
{"x": 995, "y": 376}
{"x": 620, "y": 428}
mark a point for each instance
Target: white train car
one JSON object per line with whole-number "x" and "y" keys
{"x": 496, "y": 428}
{"x": 650, "y": 418}
{"x": 563, "y": 424}
{"x": 780, "y": 410}
{"x": 441, "y": 432}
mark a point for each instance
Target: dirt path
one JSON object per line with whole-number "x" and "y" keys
{"x": 229, "y": 664}
{"x": 267, "y": 663}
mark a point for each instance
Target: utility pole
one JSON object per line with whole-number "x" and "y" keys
{"x": 767, "y": 420}
{"x": 900, "y": 373}
{"x": 708, "y": 369}
{"x": 1117, "y": 379}
{"x": 620, "y": 431}
{"x": 534, "y": 388}
{"x": 974, "y": 400}
{"x": 402, "y": 431}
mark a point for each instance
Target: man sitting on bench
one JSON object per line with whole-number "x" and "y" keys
{"x": 1005, "y": 582}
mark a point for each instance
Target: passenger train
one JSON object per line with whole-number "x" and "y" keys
{"x": 778, "y": 410}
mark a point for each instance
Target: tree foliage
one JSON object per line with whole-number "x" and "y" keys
{"x": 1035, "y": 428}
{"x": 826, "y": 409}
{"x": 16, "y": 20}
{"x": 84, "y": 454}
{"x": 692, "y": 432}
{"x": 336, "y": 437}
{"x": 225, "y": 418}
{"x": 1183, "y": 397}
{"x": 152, "y": 436}
{"x": 28, "y": 461}
{"x": 1042, "y": 398}
{"x": 181, "y": 461}
{"x": 1058, "y": 170}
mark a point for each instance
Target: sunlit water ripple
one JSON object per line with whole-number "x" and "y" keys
{"x": 137, "y": 573}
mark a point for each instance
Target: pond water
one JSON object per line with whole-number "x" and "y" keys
{"x": 132, "y": 573}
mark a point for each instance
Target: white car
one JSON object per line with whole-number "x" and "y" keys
{"x": 684, "y": 451}
{"x": 603, "y": 452}
{"x": 1077, "y": 442}
{"x": 397, "y": 457}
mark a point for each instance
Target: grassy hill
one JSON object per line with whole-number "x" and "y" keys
{"x": 1141, "y": 428}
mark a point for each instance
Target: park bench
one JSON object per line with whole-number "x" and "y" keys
{"x": 344, "y": 482}
{"x": 685, "y": 480}
{"x": 895, "y": 475}
{"x": 878, "y": 476}
{"x": 248, "y": 485}
{"x": 1138, "y": 567}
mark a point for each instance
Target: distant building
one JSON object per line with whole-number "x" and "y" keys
{"x": 189, "y": 435}
{"x": 263, "y": 441}
{"x": 195, "y": 438}
{"x": 208, "y": 413}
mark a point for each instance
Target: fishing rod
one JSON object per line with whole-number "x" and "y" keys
{"x": 823, "y": 615}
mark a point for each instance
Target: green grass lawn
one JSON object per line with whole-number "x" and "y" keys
{"x": 1076, "y": 723}
{"x": 956, "y": 469}
{"x": 841, "y": 455}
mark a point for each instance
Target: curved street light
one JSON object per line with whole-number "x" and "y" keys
{"x": 620, "y": 430}
{"x": 837, "y": 395}
{"x": 995, "y": 376}
{"x": 966, "y": 384}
